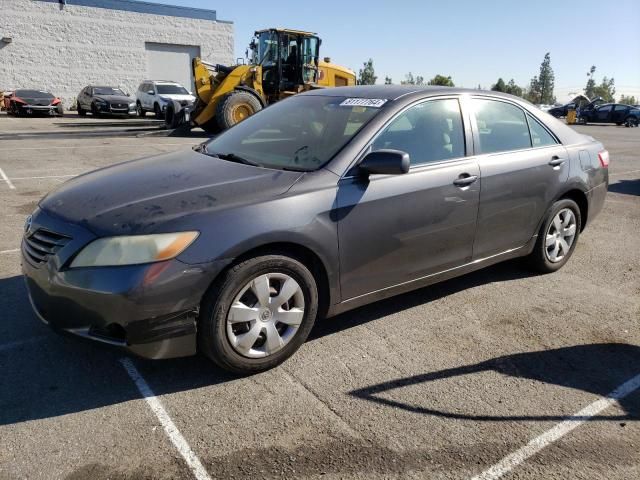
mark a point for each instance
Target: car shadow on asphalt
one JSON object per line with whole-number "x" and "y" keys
{"x": 595, "y": 368}
{"x": 626, "y": 187}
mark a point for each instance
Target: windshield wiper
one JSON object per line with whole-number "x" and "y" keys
{"x": 232, "y": 157}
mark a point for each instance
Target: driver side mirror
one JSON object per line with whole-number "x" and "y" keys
{"x": 385, "y": 162}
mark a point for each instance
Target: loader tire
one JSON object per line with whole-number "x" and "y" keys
{"x": 236, "y": 107}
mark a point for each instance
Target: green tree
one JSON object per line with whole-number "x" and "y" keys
{"x": 627, "y": 100}
{"x": 367, "y": 75}
{"x": 499, "y": 86}
{"x": 591, "y": 83}
{"x": 606, "y": 90}
{"x": 513, "y": 89}
{"x": 546, "y": 81}
{"x": 388, "y": 81}
{"x": 533, "y": 92}
{"x": 409, "y": 79}
{"x": 442, "y": 81}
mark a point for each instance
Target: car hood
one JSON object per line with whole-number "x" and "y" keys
{"x": 143, "y": 195}
{"x": 37, "y": 101}
{"x": 189, "y": 98}
{"x": 114, "y": 98}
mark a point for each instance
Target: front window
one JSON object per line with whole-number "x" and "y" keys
{"x": 168, "y": 89}
{"x": 301, "y": 133}
{"x": 107, "y": 91}
{"x": 267, "y": 53}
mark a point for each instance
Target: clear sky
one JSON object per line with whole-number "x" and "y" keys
{"x": 473, "y": 41}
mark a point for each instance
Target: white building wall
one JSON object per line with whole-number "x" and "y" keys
{"x": 63, "y": 49}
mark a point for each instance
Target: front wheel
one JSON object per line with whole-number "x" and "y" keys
{"x": 139, "y": 110}
{"x": 258, "y": 314}
{"x": 158, "y": 111}
{"x": 557, "y": 238}
{"x": 236, "y": 107}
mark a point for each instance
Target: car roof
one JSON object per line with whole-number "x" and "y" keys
{"x": 393, "y": 92}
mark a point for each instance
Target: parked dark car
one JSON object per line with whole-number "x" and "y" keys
{"x": 33, "y": 102}
{"x": 105, "y": 100}
{"x": 323, "y": 202}
{"x": 612, "y": 113}
{"x": 580, "y": 102}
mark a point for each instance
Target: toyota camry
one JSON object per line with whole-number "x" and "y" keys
{"x": 321, "y": 203}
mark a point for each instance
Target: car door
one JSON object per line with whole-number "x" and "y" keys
{"x": 396, "y": 228}
{"x": 603, "y": 114}
{"x": 619, "y": 113}
{"x": 523, "y": 168}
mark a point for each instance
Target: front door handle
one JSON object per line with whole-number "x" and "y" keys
{"x": 556, "y": 161}
{"x": 464, "y": 180}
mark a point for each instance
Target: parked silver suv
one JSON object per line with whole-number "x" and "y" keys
{"x": 155, "y": 95}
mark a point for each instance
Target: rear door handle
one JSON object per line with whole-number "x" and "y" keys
{"x": 556, "y": 161}
{"x": 464, "y": 180}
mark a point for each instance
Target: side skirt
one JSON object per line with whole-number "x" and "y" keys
{"x": 421, "y": 282}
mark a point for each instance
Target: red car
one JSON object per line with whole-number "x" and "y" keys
{"x": 30, "y": 102}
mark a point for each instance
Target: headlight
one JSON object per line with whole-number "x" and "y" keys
{"x": 100, "y": 101}
{"x": 165, "y": 99}
{"x": 133, "y": 250}
{"x": 132, "y": 105}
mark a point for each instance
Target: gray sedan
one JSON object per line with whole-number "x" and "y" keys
{"x": 329, "y": 200}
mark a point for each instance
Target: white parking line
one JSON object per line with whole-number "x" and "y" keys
{"x": 169, "y": 427}
{"x": 623, "y": 173}
{"x": 45, "y": 176}
{"x": 19, "y": 343}
{"x": 6, "y": 179}
{"x": 560, "y": 430}
{"x": 114, "y": 145}
{"x": 13, "y": 250}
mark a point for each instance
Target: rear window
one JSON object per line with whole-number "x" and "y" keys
{"x": 33, "y": 94}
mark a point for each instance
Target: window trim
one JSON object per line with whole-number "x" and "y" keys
{"x": 468, "y": 146}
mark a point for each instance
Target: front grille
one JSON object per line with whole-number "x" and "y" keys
{"x": 119, "y": 105}
{"x": 41, "y": 244}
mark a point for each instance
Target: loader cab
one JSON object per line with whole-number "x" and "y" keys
{"x": 289, "y": 60}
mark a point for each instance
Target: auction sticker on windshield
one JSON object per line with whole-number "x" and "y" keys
{"x": 364, "y": 102}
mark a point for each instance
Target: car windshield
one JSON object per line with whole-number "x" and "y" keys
{"x": 171, "y": 90}
{"x": 301, "y": 133}
{"x": 107, "y": 91}
{"x": 33, "y": 94}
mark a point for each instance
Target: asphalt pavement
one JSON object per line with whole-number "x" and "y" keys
{"x": 498, "y": 374}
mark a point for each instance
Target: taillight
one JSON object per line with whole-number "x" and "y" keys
{"x": 18, "y": 99}
{"x": 603, "y": 156}
{"x": 55, "y": 101}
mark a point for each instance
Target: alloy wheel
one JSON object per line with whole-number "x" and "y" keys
{"x": 265, "y": 316}
{"x": 560, "y": 235}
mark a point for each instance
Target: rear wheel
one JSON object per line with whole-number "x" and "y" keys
{"x": 631, "y": 121}
{"x": 557, "y": 238}
{"x": 236, "y": 107}
{"x": 258, "y": 314}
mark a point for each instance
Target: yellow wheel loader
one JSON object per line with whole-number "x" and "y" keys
{"x": 282, "y": 63}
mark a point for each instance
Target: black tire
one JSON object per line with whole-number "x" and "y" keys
{"x": 172, "y": 115}
{"x": 618, "y": 123}
{"x": 631, "y": 121}
{"x": 94, "y": 110}
{"x": 235, "y": 107}
{"x": 81, "y": 111}
{"x": 213, "y": 341}
{"x": 157, "y": 111}
{"x": 538, "y": 259}
{"x": 139, "y": 110}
